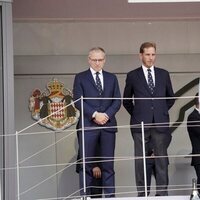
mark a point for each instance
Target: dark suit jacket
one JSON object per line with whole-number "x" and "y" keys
{"x": 194, "y": 134}
{"x": 149, "y": 110}
{"x": 84, "y": 85}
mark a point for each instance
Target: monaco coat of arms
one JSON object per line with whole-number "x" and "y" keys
{"x": 54, "y": 107}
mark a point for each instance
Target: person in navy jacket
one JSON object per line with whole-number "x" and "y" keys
{"x": 99, "y": 118}
{"x": 193, "y": 127}
{"x": 145, "y": 84}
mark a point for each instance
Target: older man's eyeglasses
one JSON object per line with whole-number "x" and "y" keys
{"x": 97, "y": 60}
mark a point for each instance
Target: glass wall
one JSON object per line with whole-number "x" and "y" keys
{"x": 48, "y": 159}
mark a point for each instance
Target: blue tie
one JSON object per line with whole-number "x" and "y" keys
{"x": 98, "y": 83}
{"x": 150, "y": 81}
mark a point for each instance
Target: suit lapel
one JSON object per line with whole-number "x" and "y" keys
{"x": 143, "y": 79}
{"x": 157, "y": 81}
{"x": 90, "y": 78}
{"x": 105, "y": 82}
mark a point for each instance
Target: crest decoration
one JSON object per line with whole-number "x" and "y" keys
{"x": 53, "y": 108}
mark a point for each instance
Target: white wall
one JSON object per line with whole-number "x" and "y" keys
{"x": 59, "y": 49}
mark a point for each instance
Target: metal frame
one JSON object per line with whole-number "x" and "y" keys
{"x": 9, "y": 161}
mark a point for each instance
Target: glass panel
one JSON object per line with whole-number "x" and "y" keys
{"x": 55, "y": 153}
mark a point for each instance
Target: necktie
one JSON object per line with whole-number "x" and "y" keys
{"x": 150, "y": 81}
{"x": 98, "y": 83}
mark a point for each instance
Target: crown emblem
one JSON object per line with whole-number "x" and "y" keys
{"x": 55, "y": 86}
{"x": 54, "y": 108}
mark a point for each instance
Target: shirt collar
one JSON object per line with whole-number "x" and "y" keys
{"x": 94, "y": 72}
{"x": 145, "y": 68}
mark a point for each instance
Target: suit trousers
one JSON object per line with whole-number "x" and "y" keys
{"x": 106, "y": 142}
{"x": 197, "y": 169}
{"x": 150, "y": 167}
{"x": 159, "y": 142}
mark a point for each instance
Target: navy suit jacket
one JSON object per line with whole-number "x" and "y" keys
{"x": 84, "y": 85}
{"x": 193, "y": 127}
{"x": 148, "y": 110}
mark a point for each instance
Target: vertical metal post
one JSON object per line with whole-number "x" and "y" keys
{"x": 144, "y": 159}
{"x": 83, "y": 148}
{"x": 17, "y": 159}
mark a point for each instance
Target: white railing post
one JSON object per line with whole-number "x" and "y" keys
{"x": 144, "y": 159}
{"x": 83, "y": 147}
{"x": 17, "y": 160}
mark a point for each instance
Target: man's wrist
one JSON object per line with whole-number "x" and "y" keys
{"x": 94, "y": 115}
{"x": 106, "y": 115}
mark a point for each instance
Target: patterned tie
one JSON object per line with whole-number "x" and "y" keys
{"x": 98, "y": 83}
{"x": 150, "y": 81}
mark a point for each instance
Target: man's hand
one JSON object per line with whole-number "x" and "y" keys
{"x": 101, "y": 118}
{"x": 96, "y": 172}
